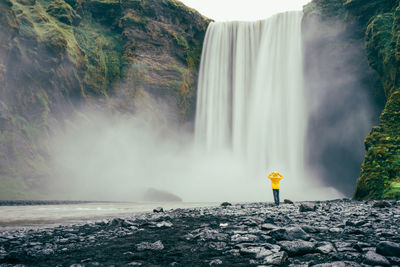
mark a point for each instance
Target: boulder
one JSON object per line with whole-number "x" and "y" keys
{"x": 288, "y": 201}
{"x": 289, "y": 233}
{"x": 268, "y": 226}
{"x": 244, "y": 238}
{"x": 226, "y": 204}
{"x": 325, "y": 248}
{"x": 381, "y": 204}
{"x": 373, "y": 258}
{"x": 276, "y": 259}
{"x": 388, "y": 248}
{"x": 305, "y": 207}
{"x": 297, "y": 247}
{"x": 158, "y": 210}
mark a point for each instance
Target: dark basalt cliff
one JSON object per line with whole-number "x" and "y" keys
{"x": 374, "y": 27}
{"x": 57, "y": 55}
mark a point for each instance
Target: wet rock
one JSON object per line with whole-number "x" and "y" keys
{"x": 226, "y": 204}
{"x": 325, "y": 248}
{"x": 394, "y": 260}
{"x": 288, "y": 201}
{"x": 257, "y": 252}
{"x": 388, "y": 248}
{"x": 289, "y": 233}
{"x": 208, "y": 234}
{"x": 164, "y": 224}
{"x": 268, "y": 226}
{"x": 116, "y": 222}
{"x": 218, "y": 245}
{"x": 158, "y": 245}
{"x": 381, "y": 204}
{"x": 276, "y": 259}
{"x": 297, "y": 247}
{"x": 338, "y": 264}
{"x": 134, "y": 263}
{"x": 310, "y": 229}
{"x": 158, "y": 210}
{"x": 326, "y": 208}
{"x": 373, "y": 258}
{"x": 243, "y": 238}
{"x": 305, "y": 207}
{"x": 215, "y": 262}
{"x": 3, "y": 253}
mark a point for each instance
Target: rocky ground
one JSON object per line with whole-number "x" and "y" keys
{"x": 331, "y": 233}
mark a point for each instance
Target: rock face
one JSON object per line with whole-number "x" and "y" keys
{"x": 57, "y": 55}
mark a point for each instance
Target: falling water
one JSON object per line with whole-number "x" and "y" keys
{"x": 250, "y": 94}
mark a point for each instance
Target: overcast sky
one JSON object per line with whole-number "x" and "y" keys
{"x": 223, "y": 10}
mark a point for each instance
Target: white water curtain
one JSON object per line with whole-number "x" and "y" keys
{"x": 251, "y": 95}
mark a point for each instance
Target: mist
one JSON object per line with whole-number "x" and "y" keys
{"x": 341, "y": 103}
{"x": 106, "y": 156}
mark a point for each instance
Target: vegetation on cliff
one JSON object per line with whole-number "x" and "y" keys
{"x": 57, "y": 55}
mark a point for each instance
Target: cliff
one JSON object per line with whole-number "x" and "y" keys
{"x": 375, "y": 25}
{"x": 56, "y": 56}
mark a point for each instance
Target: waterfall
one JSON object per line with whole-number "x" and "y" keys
{"x": 250, "y": 94}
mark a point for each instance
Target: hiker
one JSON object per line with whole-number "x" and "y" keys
{"x": 275, "y": 179}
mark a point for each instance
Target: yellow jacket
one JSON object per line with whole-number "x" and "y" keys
{"x": 275, "y": 178}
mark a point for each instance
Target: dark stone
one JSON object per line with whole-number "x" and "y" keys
{"x": 226, "y": 204}
{"x": 325, "y": 248}
{"x": 338, "y": 264}
{"x": 278, "y": 258}
{"x": 394, "y": 260}
{"x": 381, "y": 204}
{"x": 158, "y": 245}
{"x": 158, "y": 210}
{"x": 305, "y": 207}
{"x": 287, "y": 201}
{"x": 289, "y": 233}
{"x": 373, "y": 258}
{"x": 388, "y": 248}
{"x": 215, "y": 262}
{"x": 297, "y": 248}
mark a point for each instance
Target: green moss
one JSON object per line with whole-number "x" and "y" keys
{"x": 102, "y": 57}
{"x": 63, "y": 12}
{"x": 130, "y": 19}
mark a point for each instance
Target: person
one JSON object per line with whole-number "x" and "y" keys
{"x": 275, "y": 179}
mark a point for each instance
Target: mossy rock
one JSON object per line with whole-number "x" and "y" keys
{"x": 130, "y": 19}
{"x": 27, "y": 2}
{"x": 105, "y": 11}
{"x": 55, "y": 42}
{"x": 63, "y": 12}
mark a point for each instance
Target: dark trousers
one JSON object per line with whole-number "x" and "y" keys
{"x": 276, "y": 196}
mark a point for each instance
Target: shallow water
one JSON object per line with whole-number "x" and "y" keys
{"x": 53, "y": 215}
